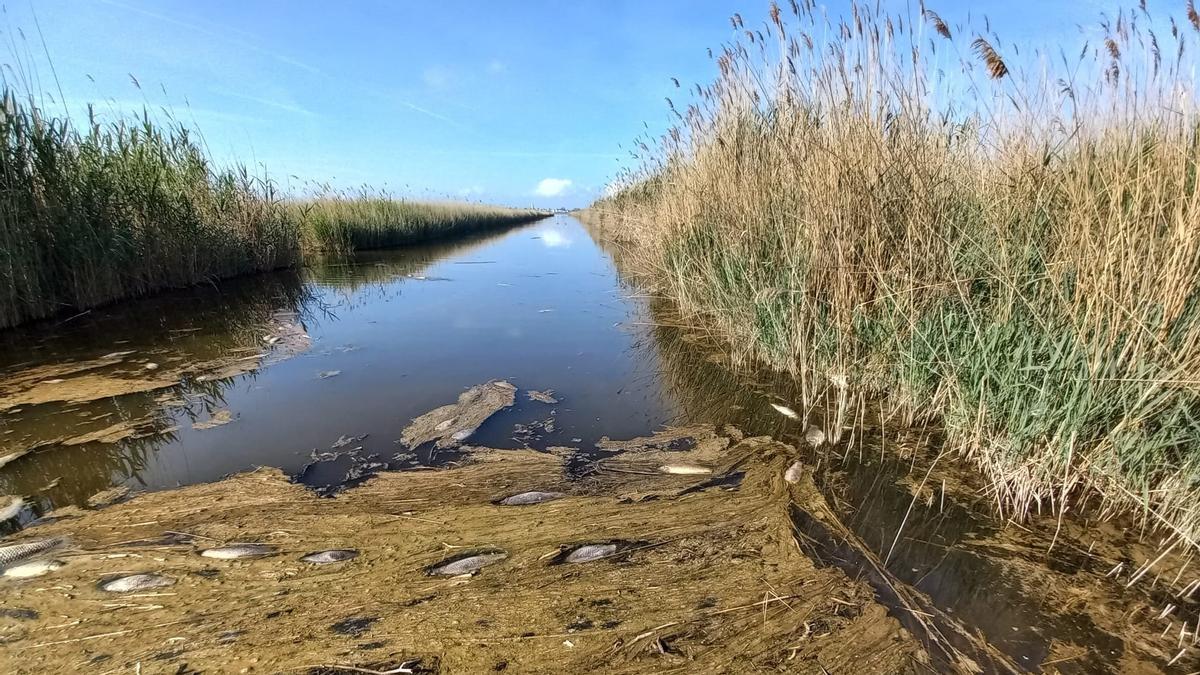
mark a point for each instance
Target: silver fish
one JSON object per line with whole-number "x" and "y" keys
{"x": 591, "y": 552}
{"x": 785, "y": 411}
{"x": 33, "y": 569}
{"x": 462, "y": 435}
{"x": 468, "y": 565}
{"x": 531, "y": 497}
{"x": 335, "y": 555}
{"x": 136, "y": 582}
{"x": 685, "y": 469}
{"x": 239, "y": 551}
{"x": 18, "y": 553}
{"x": 794, "y": 472}
{"x": 814, "y": 435}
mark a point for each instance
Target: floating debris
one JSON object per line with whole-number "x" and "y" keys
{"x": 531, "y": 497}
{"x": 467, "y": 563}
{"x": 108, "y": 497}
{"x": 334, "y": 555}
{"x": 685, "y": 469}
{"x": 33, "y": 569}
{"x": 238, "y": 551}
{"x": 542, "y": 396}
{"x": 326, "y": 374}
{"x": 135, "y": 582}
{"x": 217, "y": 419}
{"x": 590, "y": 552}
{"x": 785, "y": 411}
{"x": 12, "y": 507}
{"x": 794, "y": 472}
{"x": 473, "y": 407}
{"x": 814, "y": 435}
{"x": 151, "y": 366}
{"x": 343, "y": 441}
{"x": 17, "y": 553}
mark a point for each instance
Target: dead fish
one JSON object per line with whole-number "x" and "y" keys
{"x": 334, "y": 555}
{"x": 116, "y": 355}
{"x": 467, "y": 565}
{"x": 794, "y": 472}
{"x": 785, "y": 411}
{"x": 33, "y": 569}
{"x": 12, "y": 507}
{"x": 591, "y": 552}
{"x": 135, "y": 582}
{"x": 442, "y": 426}
{"x": 814, "y": 435}
{"x": 151, "y": 366}
{"x": 18, "y": 553}
{"x": 531, "y": 497}
{"x": 239, "y": 551}
{"x": 685, "y": 469}
{"x": 462, "y": 435}
{"x": 326, "y": 374}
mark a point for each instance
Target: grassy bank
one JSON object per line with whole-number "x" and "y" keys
{"x": 100, "y": 211}
{"x": 340, "y": 224}
{"x": 119, "y": 209}
{"x": 910, "y": 217}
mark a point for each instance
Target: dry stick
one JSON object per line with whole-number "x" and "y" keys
{"x": 104, "y": 635}
{"x": 1145, "y": 569}
{"x": 402, "y": 669}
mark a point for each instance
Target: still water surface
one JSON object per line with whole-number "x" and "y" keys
{"x": 405, "y": 331}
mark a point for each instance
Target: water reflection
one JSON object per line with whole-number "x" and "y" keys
{"x": 394, "y": 334}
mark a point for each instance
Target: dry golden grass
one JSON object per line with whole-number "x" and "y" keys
{"x": 889, "y": 207}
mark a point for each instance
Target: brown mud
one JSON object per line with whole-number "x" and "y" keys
{"x": 707, "y": 580}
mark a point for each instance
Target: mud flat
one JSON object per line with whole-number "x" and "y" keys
{"x": 688, "y": 577}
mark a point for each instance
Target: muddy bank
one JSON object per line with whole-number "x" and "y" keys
{"x": 688, "y": 578}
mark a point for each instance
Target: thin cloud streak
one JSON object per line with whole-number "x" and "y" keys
{"x": 221, "y": 34}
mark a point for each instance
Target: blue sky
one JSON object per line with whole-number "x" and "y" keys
{"x": 507, "y": 102}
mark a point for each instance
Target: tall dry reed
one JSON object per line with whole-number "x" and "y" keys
{"x": 890, "y": 207}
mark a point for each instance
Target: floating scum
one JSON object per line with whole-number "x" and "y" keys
{"x": 630, "y": 570}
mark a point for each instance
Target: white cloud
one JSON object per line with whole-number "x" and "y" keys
{"x": 552, "y": 187}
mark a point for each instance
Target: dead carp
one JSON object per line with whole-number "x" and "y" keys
{"x": 135, "y": 582}
{"x": 334, "y": 555}
{"x": 239, "y": 551}
{"x": 531, "y": 497}
{"x": 466, "y": 564}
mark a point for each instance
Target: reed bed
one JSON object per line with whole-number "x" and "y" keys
{"x": 123, "y": 208}
{"x": 120, "y": 209}
{"x": 341, "y": 223}
{"x": 915, "y": 217}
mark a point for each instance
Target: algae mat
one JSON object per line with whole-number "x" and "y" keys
{"x": 700, "y": 576}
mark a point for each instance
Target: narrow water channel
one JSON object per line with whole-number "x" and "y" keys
{"x": 393, "y": 335}
{"x": 318, "y": 372}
